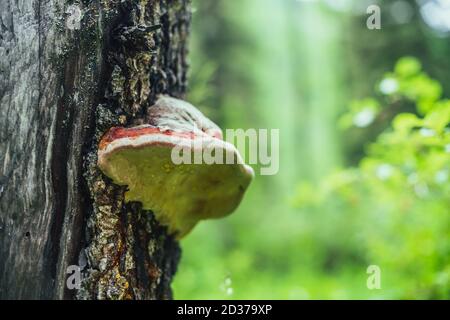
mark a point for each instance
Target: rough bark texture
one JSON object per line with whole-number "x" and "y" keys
{"x": 60, "y": 89}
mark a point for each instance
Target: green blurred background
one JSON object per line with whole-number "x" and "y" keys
{"x": 364, "y": 149}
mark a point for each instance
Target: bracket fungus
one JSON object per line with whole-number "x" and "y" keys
{"x": 179, "y": 193}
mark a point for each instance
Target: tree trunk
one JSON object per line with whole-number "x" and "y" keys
{"x": 61, "y": 88}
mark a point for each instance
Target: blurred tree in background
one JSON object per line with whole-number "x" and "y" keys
{"x": 364, "y": 163}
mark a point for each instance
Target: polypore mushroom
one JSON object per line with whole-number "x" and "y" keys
{"x": 179, "y": 193}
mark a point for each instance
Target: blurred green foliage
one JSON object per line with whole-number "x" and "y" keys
{"x": 398, "y": 198}
{"x": 361, "y": 182}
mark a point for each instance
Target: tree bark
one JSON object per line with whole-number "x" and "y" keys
{"x": 60, "y": 90}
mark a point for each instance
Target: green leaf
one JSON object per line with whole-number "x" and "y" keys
{"x": 439, "y": 118}
{"x": 408, "y": 66}
{"x": 404, "y": 122}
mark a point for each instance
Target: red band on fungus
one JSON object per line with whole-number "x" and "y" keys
{"x": 116, "y": 133}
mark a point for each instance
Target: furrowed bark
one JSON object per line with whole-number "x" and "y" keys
{"x": 60, "y": 90}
